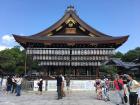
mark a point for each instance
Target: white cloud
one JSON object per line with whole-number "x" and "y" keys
{"x": 7, "y": 41}
{"x": 3, "y": 47}
{"x": 8, "y": 38}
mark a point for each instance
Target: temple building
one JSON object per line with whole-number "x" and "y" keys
{"x": 70, "y": 46}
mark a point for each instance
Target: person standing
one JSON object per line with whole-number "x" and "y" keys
{"x": 9, "y": 84}
{"x": 59, "y": 85}
{"x": 106, "y": 84}
{"x": 133, "y": 87}
{"x": 13, "y": 85}
{"x": 119, "y": 86}
{"x": 126, "y": 93}
{"x": 68, "y": 83}
{"x": 98, "y": 87}
{"x": 18, "y": 85}
{"x": 40, "y": 84}
{"x": 63, "y": 85}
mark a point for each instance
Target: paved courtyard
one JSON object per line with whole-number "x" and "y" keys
{"x": 49, "y": 98}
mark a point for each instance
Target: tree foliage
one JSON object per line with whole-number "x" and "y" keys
{"x": 130, "y": 56}
{"x": 118, "y": 55}
{"x": 11, "y": 60}
{"x": 108, "y": 69}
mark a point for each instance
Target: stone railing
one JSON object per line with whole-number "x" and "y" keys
{"x": 72, "y": 77}
{"x": 29, "y": 85}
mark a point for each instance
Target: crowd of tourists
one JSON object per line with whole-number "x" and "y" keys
{"x": 126, "y": 88}
{"x": 13, "y": 85}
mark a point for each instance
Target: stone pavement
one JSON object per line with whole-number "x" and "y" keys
{"x": 49, "y": 98}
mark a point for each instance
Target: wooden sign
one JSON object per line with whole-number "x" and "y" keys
{"x": 70, "y": 30}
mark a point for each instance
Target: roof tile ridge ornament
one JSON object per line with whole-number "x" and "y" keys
{"x": 71, "y": 8}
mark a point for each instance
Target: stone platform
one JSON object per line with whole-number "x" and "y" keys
{"x": 50, "y": 98}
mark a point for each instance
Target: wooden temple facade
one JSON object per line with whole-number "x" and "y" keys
{"x": 70, "y": 46}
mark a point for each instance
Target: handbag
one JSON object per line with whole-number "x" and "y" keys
{"x": 125, "y": 98}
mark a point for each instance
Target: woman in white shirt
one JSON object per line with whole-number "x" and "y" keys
{"x": 133, "y": 87}
{"x": 18, "y": 85}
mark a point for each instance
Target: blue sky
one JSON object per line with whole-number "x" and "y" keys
{"x": 113, "y": 17}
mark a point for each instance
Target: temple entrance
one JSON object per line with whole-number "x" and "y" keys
{"x": 74, "y": 72}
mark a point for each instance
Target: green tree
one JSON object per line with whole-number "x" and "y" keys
{"x": 108, "y": 69}
{"x": 118, "y": 55}
{"x": 132, "y": 55}
{"x": 12, "y": 58}
{"x": 19, "y": 69}
{"x": 13, "y": 61}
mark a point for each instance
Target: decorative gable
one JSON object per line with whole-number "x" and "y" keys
{"x": 70, "y": 21}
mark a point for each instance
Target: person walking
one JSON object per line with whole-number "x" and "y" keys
{"x": 119, "y": 86}
{"x": 18, "y": 85}
{"x": 133, "y": 87}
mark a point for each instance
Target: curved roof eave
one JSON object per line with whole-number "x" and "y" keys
{"x": 24, "y": 39}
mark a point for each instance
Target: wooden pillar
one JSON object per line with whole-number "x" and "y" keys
{"x": 45, "y": 71}
{"x": 64, "y": 70}
{"x": 49, "y": 71}
{"x": 97, "y": 72}
{"x": 25, "y": 65}
{"x": 74, "y": 73}
{"x": 87, "y": 71}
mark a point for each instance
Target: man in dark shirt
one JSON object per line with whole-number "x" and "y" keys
{"x": 9, "y": 83}
{"x": 59, "y": 84}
